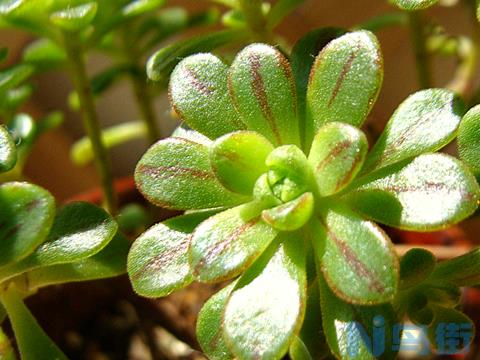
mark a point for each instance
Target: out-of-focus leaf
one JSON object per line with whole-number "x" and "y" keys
{"x": 356, "y": 257}
{"x": 291, "y": 215}
{"x": 140, "y": 7}
{"x": 469, "y": 140}
{"x": 266, "y": 308}
{"x": 81, "y": 152}
{"x": 425, "y": 122}
{"x": 163, "y": 61}
{"x": 14, "y": 76}
{"x": 176, "y": 173}
{"x": 238, "y": 160}
{"x": 44, "y": 54}
{"x": 3, "y": 54}
{"x": 8, "y": 151}
{"x": 109, "y": 262}
{"x": 199, "y": 94}
{"x": 336, "y": 156}
{"x": 12, "y": 99}
{"x": 415, "y": 266}
{"x": 413, "y": 5}
{"x": 280, "y": 10}
{"x": 75, "y": 18}
{"x": 226, "y": 244}
{"x": 261, "y": 83}
{"x": 26, "y": 215}
{"x": 158, "y": 260}
{"x": 80, "y": 230}
{"x": 431, "y": 192}
{"x": 133, "y": 218}
{"x": 344, "y": 81}
{"x": 6, "y": 350}
{"x": 302, "y": 59}
{"x": 209, "y": 326}
{"x": 349, "y": 329}
{"x": 32, "y": 341}
{"x": 460, "y": 271}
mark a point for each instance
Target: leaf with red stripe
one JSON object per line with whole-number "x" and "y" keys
{"x": 425, "y": 122}
{"x": 158, "y": 260}
{"x": 199, "y": 94}
{"x": 431, "y": 192}
{"x": 26, "y": 216}
{"x": 224, "y": 245}
{"x": 344, "y": 82}
{"x": 337, "y": 154}
{"x": 175, "y": 173}
{"x": 263, "y": 90}
{"x": 356, "y": 257}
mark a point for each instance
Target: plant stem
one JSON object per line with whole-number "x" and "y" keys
{"x": 252, "y": 10}
{"x": 90, "y": 120}
{"x": 420, "y": 48}
{"x": 384, "y": 21}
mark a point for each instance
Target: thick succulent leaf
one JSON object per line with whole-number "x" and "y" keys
{"x": 469, "y": 140}
{"x": 356, "y": 256}
{"x": 158, "y": 261}
{"x": 460, "y": 271}
{"x": 344, "y": 81}
{"x": 413, "y": 5}
{"x": 44, "y": 54}
{"x": 263, "y": 90}
{"x": 8, "y": 151}
{"x": 291, "y": 215}
{"x": 302, "y": 59}
{"x": 425, "y": 122}
{"x": 431, "y": 192}
{"x": 33, "y": 343}
{"x": 415, "y": 266}
{"x": 209, "y": 326}
{"x": 199, "y": 94}
{"x": 349, "y": 328}
{"x": 80, "y": 230}
{"x": 226, "y": 244}
{"x": 139, "y": 7}
{"x": 161, "y": 64}
{"x": 75, "y": 18}
{"x": 26, "y": 215}
{"x": 266, "y": 308}
{"x": 109, "y": 262}
{"x": 336, "y": 156}
{"x": 176, "y": 173}
{"x": 443, "y": 294}
{"x": 6, "y": 349}
{"x": 184, "y": 132}
{"x": 238, "y": 160}
{"x": 14, "y": 76}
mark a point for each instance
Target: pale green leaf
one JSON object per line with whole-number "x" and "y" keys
{"x": 469, "y": 140}
{"x": 75, "y": 18}
{"x": 8, "y": 151}
{"x": 413, "y": 5}
{"x": 291, "y": 215}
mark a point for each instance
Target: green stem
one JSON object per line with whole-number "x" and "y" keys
{"x": 420, "y": 48}
{"x": 384, "y": 21}
{"x": 90, "y": 120}
{"x": 252, "y": 10}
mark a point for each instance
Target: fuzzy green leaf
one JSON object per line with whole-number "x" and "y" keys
{"x": 8, "y": 150}
{"x": 469, "y": 140}
{"x": 345, "y": 326}
{"x": 425, "y": 122}
{"x": 109, "y": 262}
{"x": 209, "y": 326}
{"x": 199, "y": 94}
{"x": 139, "y": 7}
{"x": 337, "y": 154}
{"x": 460, "y": 271}
{"x": 291, "y": 215}
{"x": 266, "y": 308}
{"x": 176, "y": 173}
{"x": 413, "y": 5}
{"x": 238, "y": 160}
{"x": 356, "y": 256}
{"x": 263, "y": 90}
{"x": 226, "y": 244}
{"x": 80, "y": 230}
{"x": 163, "y": 61}
{"x": 32, "y": 341}
{"x": 158, "y": 261}
{"x": 415, "y": 266}
{"x": 431, "y": 192}
{"x": 26, "y": 215}
{"x": 75, "y": 18}
{"x": 344, "y": 82}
